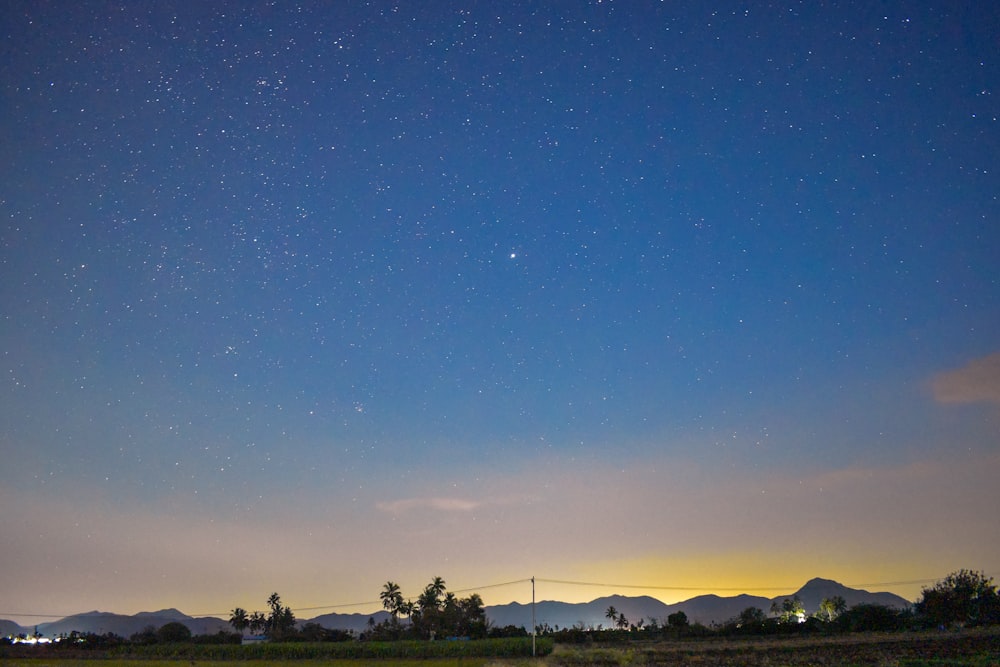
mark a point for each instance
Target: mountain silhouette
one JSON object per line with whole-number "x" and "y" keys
{"x": 356, "y": 622}
{"x": 708, "y": 609}
{"x": 164, "y": 613}
{"x": 816, "y": 590}
{"x": 125, "y": 626}
{"x": 705, "y": 609}
{"x": 10, "y": 629}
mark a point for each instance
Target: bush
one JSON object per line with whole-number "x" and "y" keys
{"x": 174, "y": 631}
{"x": 963, "y": 598}
{"x": 508, "y": 631}
{"x": 870, "y": 618}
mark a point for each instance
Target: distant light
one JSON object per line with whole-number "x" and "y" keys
{"x": 513, "y": 255}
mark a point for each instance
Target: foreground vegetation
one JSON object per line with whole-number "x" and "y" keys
{"x": 372, "y": 650}
{"x": 339, "y": 653}
{"x": 978, "y": 647}
{"x": 970, "y": 648}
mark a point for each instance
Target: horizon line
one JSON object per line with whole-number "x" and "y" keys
{"x": 562, "y": 582}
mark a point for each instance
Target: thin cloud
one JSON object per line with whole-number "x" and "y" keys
{"x": 976, "y": 382}
{"x": 439, "y": 504}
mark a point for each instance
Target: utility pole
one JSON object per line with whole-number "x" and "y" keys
{"x": 534, "y": 628}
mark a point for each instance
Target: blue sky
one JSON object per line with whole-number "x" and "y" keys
{"x": 308, "y": 298}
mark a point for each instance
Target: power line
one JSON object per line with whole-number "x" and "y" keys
{"x": 506, "y": 583}
{"x": 717, "y": 588}
{"x": 343, "y": 605}
{"x": 327, "y": 606}
{"x": 649, "y": 587}
{"x": 379, "y": 602}
{"x": 900, "y": 583}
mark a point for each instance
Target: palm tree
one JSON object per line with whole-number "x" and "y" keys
{"x": 831, "y": 608}
{"x": 436, "y": 586}
{"x": 391, "y": 598}
{"x": 239, "y": 619}
{"x": 427, "y": 601}
{"x": 257, "y": 622}
{"x": 622, "y": 622}
{"x": 281, "y": 619}
{"x": 789, "y": 610}
{"x": 612, "y": 614}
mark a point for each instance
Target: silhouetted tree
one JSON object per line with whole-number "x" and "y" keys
{"x": 473, "y": 621}
{"x": 429, "y": 620}
{"x": 314, "y": 632}
{"x": 146, "y": 636}
{"x": 392, "y": 599}
{"x": 831, "y": 608}
{"x": 257, "y": 622}
{"x": 612, "y": 615}
{"x": 281, "y": 621}
{"x": 788, "y": 610}
{"x": 239, "y": 619}
{"x": 508, "y": 631}
{"x": 173, "y": 632}
{"x": 678, "y": 619}
{"x": 870, "y": 618}
{"x": 436, "y": 587}
{"x": 962, "y": 598}
{"x": 752, "y": 617}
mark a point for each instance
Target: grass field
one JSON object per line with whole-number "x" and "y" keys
{"x": 394, "y": 662}
{"x": 976, "y": 648}
{"x": 979, "y": 648}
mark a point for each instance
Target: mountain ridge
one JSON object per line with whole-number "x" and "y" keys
{"x": 705, "y": 609}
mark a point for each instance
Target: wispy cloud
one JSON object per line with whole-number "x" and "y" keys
{"x": 976, "y": 382}
{"x": 438, "y": 503}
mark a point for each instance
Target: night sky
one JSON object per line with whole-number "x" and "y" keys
{"x": 687, "y": 296}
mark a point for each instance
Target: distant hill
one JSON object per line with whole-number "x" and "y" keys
{"x": 817, "y": 590}
{"x": 708, "y": 609}
{"x": 701, "y": 609}
{"x": 11, "y": 629}
{"x": 586, "y": 614}
{"x": 705, "y": 609}
{"x": 172, "y": 614}
{"x": 356, "y": 622}
{"x": 126, "y": 626}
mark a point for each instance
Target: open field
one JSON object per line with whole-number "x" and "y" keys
{"x": 450, "y": 662}
{"x": 973, "y": 648}
{"x": 970, "y": 648}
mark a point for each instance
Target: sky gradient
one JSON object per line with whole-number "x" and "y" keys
{"x": 679, "y": 297}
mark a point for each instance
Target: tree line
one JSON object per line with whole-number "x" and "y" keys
{"x": 436, "y": 613}
{"x": 965, "y": 598}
